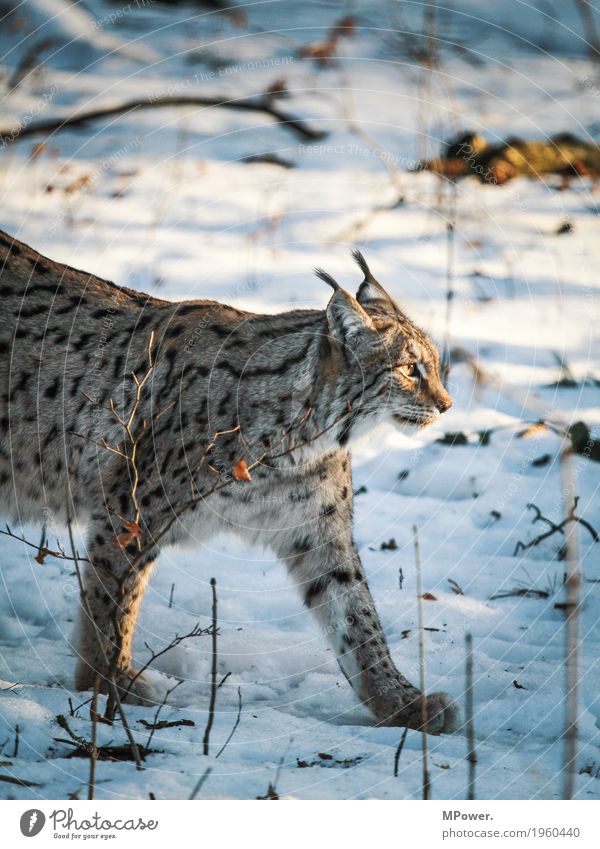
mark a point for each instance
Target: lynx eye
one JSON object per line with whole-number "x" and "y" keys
{"x": 408, "y": 369}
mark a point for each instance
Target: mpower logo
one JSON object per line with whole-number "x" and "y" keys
{"x": 32, "y": 822}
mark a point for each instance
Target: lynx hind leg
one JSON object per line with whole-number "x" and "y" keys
{"x": 107, "y": 617}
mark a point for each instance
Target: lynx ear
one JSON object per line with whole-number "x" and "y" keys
{"x": 371, "y": 294}
{"x": 345, "y": 315}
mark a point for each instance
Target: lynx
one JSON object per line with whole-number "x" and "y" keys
{"x": 150, "y": 421}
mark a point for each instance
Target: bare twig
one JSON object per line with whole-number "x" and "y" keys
{"x": 470, "y": 727}
{"x": 237, "y": 722}
{"x": 267, "y": 456}
{"x": 213, "y": 676}
{"x": 450, "y": 256}
{"x": 43, "y": 552}
{"x": 572, "y": 611}
{"x": 554, "y": 528}
{"x": 399, "y": 752}
{"x": 199, "y": 784}
{"x": 196, "y": 631}
{"x": 155, "y": 724}
{"x": 94, "y": 752}
{"x": 424, "y": 715}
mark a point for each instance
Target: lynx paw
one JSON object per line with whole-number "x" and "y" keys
{"x": 135, "y": 689}
{"x": 443, "y": 715}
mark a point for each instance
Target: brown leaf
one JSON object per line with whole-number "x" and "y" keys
{"x": 241, "y": 471}
{"x": 428, "y": 597}
{"x": 131, "y": 532}
{"x": 43, "y": 553}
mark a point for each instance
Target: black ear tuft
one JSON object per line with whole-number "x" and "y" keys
{"x": 327, "y": 278}
{"x": 362, "y": 263}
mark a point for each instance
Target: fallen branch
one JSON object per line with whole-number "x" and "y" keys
{"x": 166, "y": 723}
{"x": 555, "y": 528}
{"x": 8, "y": 135}
{"x": 10, "y": 779}
{"x": 83, "y": 748}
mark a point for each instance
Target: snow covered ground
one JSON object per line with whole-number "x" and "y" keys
{"x": 162, "y": 200}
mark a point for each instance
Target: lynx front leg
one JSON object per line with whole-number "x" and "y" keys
{"x": 323, "y": 560}
{"x": 333, "y": 584}
{"x": 113, "y": 594}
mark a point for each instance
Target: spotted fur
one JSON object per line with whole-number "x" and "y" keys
{"x": 287, "y": 393}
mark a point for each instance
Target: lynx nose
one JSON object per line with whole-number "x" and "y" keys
{"x": 444, "y": 404}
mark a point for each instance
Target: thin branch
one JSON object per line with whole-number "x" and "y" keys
{"x": 196, "y": 631}
{"x": 43, "y": 552}
{"x": 213, "y": 683}
{"x": 237, "y": 722}
{"x": 470, "y": 727}
{"x": 155, "y": 724}
{"x": 267, "y": 456}
{"x": 572, "y": 611}
{"x": 399, "y": 751}
{"x": 94, "y": 752}
{"x": 424, "y": 714}
{"x": 198, "y": 786}
{"x": 450, "y": 260}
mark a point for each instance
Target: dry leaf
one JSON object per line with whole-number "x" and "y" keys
{"x": 131, "y": 532}
{"x": 43, "y": 553}
{"x": 428, "y": 597}
{"x": 241, "y": 472}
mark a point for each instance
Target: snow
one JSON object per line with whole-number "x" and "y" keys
{"x": 170, "y": 208}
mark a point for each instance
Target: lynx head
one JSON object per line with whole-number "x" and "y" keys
{"x": 391, "y": 368}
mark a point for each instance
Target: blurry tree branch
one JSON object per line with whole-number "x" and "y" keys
{"x": 81, "y": 118}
